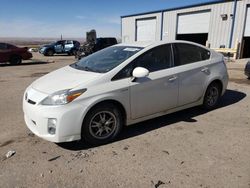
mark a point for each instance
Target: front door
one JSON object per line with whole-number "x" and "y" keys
{"x": 59, "y": 47}
{"x": 159, "y": 91}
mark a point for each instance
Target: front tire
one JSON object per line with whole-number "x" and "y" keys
{"x": 50, "y": 53}
{"x": 102, "y": 124}
{"x": 212, "y": 96}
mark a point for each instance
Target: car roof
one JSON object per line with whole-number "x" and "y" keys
{"x": 8, "y": 44}
{"x": 136, "y": 44}
{"x": 156, "y": 43}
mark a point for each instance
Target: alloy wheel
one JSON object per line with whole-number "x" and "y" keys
{"x": 212, "y": 96}
{"x": 102, "y": 125}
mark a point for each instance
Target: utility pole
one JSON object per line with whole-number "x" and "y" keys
{"x": 61, "y": 36}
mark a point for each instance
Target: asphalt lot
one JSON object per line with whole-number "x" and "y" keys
{"x": 191, "y": 148}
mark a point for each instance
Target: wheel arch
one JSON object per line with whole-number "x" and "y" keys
{"x": 15, "y": 55}
{"x": 107, "y": 101}
{"x": 219, "y": 82}
{"x": 215, "y": 80}
{"x": 118, "y": 104}
{"x": 50, "y": 48}
{"x": 12, "y": 56}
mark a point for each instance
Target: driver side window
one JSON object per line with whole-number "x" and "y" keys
{"x": 156, "y": 59}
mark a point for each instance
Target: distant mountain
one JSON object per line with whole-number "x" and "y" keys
{"x": 34, "y": 41}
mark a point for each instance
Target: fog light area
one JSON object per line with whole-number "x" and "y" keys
{"x": 52, "y": 126}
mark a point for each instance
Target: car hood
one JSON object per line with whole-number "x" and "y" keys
{"x": 64, "y": 78}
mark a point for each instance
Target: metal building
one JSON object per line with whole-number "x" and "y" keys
{"x": 217, "y": 24}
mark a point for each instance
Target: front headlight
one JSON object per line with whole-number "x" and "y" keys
{"x": 62, "y": 97}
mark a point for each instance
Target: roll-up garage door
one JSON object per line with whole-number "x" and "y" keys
{"x": 247, "y": 25}
{"x": 146, "y": 29}
{"x": 193, "y": 23}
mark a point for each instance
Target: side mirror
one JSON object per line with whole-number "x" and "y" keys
{"x": 140, "y": 72}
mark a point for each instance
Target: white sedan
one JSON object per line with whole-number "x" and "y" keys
{"x": 121, "y": 85}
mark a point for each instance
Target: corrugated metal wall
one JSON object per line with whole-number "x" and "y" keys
{"x": 219, "y": 30}
{"x": 240, "y": 20}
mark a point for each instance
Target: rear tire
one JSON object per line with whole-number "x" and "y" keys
{"x": 102, "y": 124}
{"x": 15, "y": 60}
{"x": 73, "y": 52}
{"x": 212, "y": 96}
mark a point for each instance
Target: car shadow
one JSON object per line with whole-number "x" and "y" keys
{"x": 229, "y": 98}
{"x": 25, "y": 64}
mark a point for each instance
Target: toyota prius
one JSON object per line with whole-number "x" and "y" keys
{"x": 95, "y": 97}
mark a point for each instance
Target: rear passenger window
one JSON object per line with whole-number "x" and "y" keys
{"x": 188, "y": 53}
{"x": 69, "y": 42}
{"x": 205, "y": 54}
{"x": 156, "y": 59}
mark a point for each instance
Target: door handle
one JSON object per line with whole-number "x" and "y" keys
{"x": 173, "y": 78}
{"x": 205, "y": 70}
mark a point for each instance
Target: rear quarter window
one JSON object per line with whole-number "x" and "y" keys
{"x": 188, "y": 53}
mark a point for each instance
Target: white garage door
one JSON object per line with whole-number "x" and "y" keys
{"x": 247, "y": 26}
{"x": 146, "y": 30}
{"x": 193, "y": 23}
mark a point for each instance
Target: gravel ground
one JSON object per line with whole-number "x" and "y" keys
{"x": 191, "y": 148}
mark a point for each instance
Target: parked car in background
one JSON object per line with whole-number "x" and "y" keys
{"x": 102, "y": 43}
{"x": 247, "y": 70}
{"x": 60, "y": 47}
{"x": 121, "y": 85}
{"x": 33, "y": 49}
{"x": 98, "y": 44}
{"x": 13, "y": 54}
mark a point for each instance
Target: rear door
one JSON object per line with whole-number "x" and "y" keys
{"x": 68, "y": 45}
{"x": 193, "y": 71}
{"x": 159, "y": 91}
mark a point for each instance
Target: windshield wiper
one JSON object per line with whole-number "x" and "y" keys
{"x": 86, "y": 68}
{"x": 81, "y": 67}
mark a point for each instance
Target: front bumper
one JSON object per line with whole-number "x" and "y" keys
{"x": 42, "y": 51}
{"x": 69, "y": 119}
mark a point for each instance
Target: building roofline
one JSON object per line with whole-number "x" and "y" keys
{"x": 178, "y": 8}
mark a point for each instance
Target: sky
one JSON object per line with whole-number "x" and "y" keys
{"x": 51, "y": 18}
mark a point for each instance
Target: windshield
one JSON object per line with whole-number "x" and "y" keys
{"x": 52, "y": 43}
{"x": 106, "y": 59}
